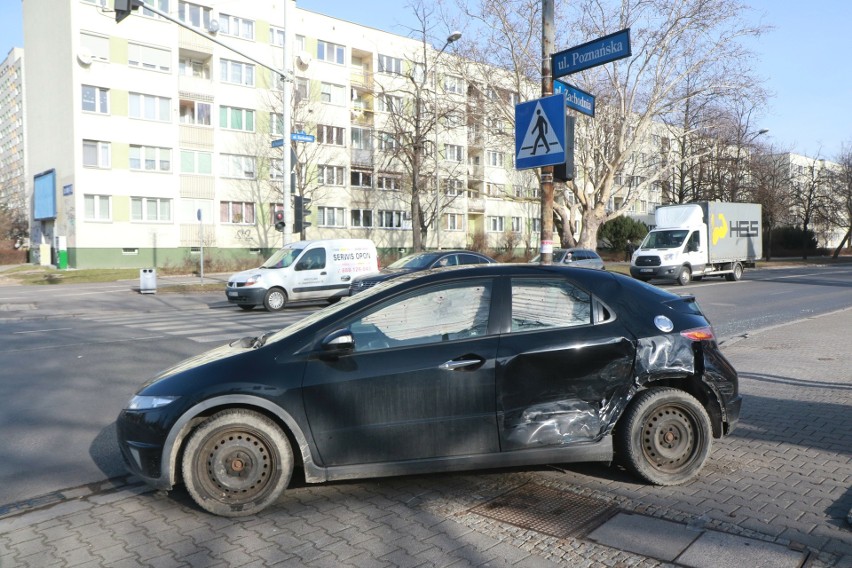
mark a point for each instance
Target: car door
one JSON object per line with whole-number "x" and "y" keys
{"x": 419, "y": 385}
{"x": 311, "y": 275}
{"x": 565, "y": 364}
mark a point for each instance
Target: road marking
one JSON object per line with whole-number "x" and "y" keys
{"x": 42, "y": 330}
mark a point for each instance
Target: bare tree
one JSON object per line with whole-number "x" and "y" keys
{"x": 810, "y": 196}
{"x": 841, "y": 192}
{"x": 772, "y": 182}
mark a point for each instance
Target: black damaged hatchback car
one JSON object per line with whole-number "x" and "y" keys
{"x": 443, "y": 370}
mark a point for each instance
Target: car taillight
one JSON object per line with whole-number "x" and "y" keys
{"x": 699, "y": 334}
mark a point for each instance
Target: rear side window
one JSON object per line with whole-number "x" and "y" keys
{"x": 548, "y": 303}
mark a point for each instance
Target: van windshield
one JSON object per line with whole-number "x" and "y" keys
{"x": 664, "y": 239}
{"x": 282, "y": 258}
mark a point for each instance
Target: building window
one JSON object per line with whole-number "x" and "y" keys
{"x": 454, "y": 222}
{"x": 361, "y": 178}
{"x": 389, "y": 183}
{"x": 330, "y": 52}
{"x": 331, "y": 217}
{"x": 150, "y": 158}
{"x": 96, "y": 154}
{"x": 494, "y": 189}
{"x": 276, "y": 36}
{"x": 454, "y": 187}
{"x": 495, "y": 158}
{"x": 330, "y": 175}
{"x": 95, "y": 99}
{"x": 194, "y": 15}
{"x": 194, "y": 112}
{"x": 147, "y": 57}
{"x": 495, "y": 224}
{"x": 332, "y": 135}
{"x": 150, "y": 209}
{"x": 390, "y": 103}
{"x": 453, "y": 153}
{"x": 387, "y": 141}
{"x": 276, "y": 123}
{"x": 189, "y": 67}
{"x": 237, "y": 27}
{"x": 390, "y": 219}
{"x": 360, "y": 138}
{"x": 236, "y": 212}
{"x": 150, "y": 107}
{"x": 236, "y": 118}
{"x": 236, "y": 166}
{"x": 98, "y": 46}
{"x": 301, "y": 89}
{"x": 516, "y": 225}
{"x": 453, "y": 84}
{"x": 97, "y": 207}
{"x": 536, "y": 226}
{"x": 361, "y": 218}
{"x": 388, "y": 64}
{"x": 334, "y": 94}
{"x": 236, "y": 73}
{"x": 195, "y": 162}
{"x": 162, "y": 5}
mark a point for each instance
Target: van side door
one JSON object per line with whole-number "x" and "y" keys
{"x": 312, "y": 275}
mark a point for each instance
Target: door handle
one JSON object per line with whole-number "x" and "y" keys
{"x": 458, "y": 364}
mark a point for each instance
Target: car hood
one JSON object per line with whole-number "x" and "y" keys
{"x": 245, "y": 274}
{"x": 236, "y": 347}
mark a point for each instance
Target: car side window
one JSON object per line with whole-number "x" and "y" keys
{"x": 470, "y": 259}
{"x": 449, "y": 260}
{"x": 445, "y": 313}
{"x": 548, "y": 303}
{"x": 312, "y": 260}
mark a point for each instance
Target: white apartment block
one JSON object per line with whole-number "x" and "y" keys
{"x": 137, "y": 129}
{"x": 12, "y": 155}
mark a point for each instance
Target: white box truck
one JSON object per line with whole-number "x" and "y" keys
{"x": 306, "y": 270}
{"x": 693, "y": 240}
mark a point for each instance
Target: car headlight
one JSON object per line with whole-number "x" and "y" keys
{"x": 254, "y": 279}
{"x": 139, "y": 402}
{"x": 667, "y": 257}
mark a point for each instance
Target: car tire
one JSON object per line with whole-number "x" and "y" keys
{"x": 246, "y": 308}
{"x": 736, "y": 274}
{"x": 685, "y": 275}
{"x": 275, "y": 299}
{"x": 236, "y": 463}
{"x": 664, "y": 436}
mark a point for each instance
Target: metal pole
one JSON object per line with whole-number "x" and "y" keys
{"x": 547, "y": 42}
{"x": 438, "y": 195}
{"x": 286, "y": 101}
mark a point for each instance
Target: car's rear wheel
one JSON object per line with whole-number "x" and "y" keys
{"x": 275, "y": 299}
{"x": 664, "y": 436}
{"x": 246, "y": 307}
{"x": 685, "y": 276}
{"x": 236, "y": 463}
{"x": 736, "y": 274}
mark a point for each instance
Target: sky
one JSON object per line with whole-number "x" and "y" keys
{"x": 804, "y": 60}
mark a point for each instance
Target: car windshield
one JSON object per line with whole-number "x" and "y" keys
{"x": 664, "y": 239}
{"x": 282, "y": 258}
{"x": 414, "y": 261}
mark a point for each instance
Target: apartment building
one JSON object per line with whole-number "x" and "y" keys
{"x": 147, "y": 141}
{"x": 12, "y": 155}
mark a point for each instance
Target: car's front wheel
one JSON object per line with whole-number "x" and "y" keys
{"x": 275, "y": 299}
{"x": 664, "y": 436}
{"x": 684, "y": 276}
{"x": 236, "y": 463}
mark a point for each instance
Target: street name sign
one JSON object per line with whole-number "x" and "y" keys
{"x": 302, "y": 137}
{"x": 540, "y": 132}
{"x": 575, "y": 98}
{"x": 591, "y": 54}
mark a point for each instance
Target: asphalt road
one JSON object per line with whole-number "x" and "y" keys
{"x": 71, "y": 356}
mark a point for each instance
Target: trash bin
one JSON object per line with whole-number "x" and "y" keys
{"x": 148, "y": 281}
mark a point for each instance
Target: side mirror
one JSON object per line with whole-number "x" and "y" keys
{"x": 338, "y": 343}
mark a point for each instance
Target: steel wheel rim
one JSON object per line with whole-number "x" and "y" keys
{"x": 237, "y": 465}
{"x": 669, "y": 438}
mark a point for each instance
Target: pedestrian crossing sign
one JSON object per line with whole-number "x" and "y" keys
{"x": 540, "y": 132}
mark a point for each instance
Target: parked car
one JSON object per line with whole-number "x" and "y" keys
{"x": 487, "y": 366}
{"x": 579, "y": 257}
{"x": 419, "y": 261}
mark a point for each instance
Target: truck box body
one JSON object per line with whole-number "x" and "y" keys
{"x": 700, "y": 239}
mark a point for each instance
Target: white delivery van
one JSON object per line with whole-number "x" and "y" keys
{"x": 306, "y": 270}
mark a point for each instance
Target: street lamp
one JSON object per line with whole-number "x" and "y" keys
{"x": 453, "y": 37}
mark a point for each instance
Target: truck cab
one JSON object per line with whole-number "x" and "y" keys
{"x": 666, "y": 252}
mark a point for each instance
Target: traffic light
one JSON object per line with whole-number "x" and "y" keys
{"x": 301, "y": 211}
{"x": 123, "y": 8}
{"x": 279, "y": 220}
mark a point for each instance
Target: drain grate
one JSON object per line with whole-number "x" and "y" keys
{"x": 548, "y": 511}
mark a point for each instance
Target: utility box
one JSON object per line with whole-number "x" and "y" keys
{"x": 61, "y": 246}
{"x": 148, "y": 281}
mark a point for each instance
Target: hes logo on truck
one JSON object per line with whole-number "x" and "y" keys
{"x": 738, "y": 228}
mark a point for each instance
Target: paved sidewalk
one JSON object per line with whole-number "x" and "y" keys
{"x": 777, "y": 493}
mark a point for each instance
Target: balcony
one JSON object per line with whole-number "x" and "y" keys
{"x": 476, "y": 205}
{"x": 191, "y": 41}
